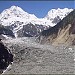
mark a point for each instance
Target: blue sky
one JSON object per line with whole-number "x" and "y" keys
{"x": 39, "y": 8}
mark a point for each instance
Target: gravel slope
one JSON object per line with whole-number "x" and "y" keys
{"x": 33, "y": 58}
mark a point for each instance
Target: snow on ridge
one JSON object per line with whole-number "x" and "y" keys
{"x": 58, "y": 12}
{"x": 15, "y": 13}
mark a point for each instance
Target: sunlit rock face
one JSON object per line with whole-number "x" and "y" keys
{"x": 62, "y": 33}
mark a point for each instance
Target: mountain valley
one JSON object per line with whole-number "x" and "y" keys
{"x": 38, "y": 45}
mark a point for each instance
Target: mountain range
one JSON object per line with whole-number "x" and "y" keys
{"x": 25, "y": 55}
{"x": 21, "y": 23}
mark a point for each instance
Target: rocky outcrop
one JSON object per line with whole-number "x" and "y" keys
{"x": 31, "y": 30}
{"x": 62, "y": 33}
{"x": 5, "y": 57}
{"x": 5, "y": 31}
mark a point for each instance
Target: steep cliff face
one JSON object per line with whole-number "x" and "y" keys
{"x": 63, "y": 32}
{"x": 5, "y": 32}
{"x": 31, "y": 30}
{"x": 5, "y": 57}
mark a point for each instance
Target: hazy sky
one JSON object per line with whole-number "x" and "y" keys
{"x": 39, "y": 8}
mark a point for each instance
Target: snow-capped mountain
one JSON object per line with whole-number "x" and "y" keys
{"x": 15, "y": 18}
{"x": 61, "y": 13}
{"x": 15, "y": 13}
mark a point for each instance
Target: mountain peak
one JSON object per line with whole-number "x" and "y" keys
{"x": 13, "y": 7}
{"x": 16, "y": 8}
{"x": 58, "y": 12}
{"x": 15, "y": 13}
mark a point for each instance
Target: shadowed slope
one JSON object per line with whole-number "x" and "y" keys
{"x": 5, "y": 57}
